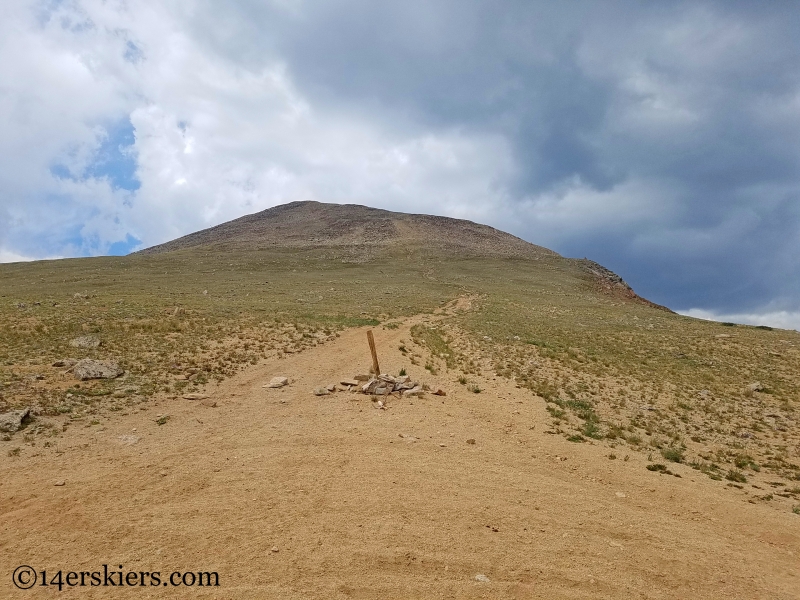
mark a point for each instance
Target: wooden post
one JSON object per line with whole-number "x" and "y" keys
{"x": 371, "y": 341}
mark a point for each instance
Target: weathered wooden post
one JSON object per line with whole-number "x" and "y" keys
{"x": 371, "y": 341}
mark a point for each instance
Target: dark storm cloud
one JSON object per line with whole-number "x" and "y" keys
{"x": 699, "y": 100}
{"x": 658, "y": 138}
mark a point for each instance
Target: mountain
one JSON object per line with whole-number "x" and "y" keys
{"x": 321, "y": 225}
{"x": 355, "y": 233}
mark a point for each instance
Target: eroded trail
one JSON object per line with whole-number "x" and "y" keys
{"x": 290, "y": 495}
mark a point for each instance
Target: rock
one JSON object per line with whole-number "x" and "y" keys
{"x": 756, "y": 387}
{"x": 362, "y": 377}
{"x": 440, "y": 392}
{"x": 210, "y": 403}
{"x": 12, "y": 421}
{"x": 96, "y": 369}
{"x": 415, "y": 391}
{"x": 195, "y": 396}
{"x": 274, "y": 549}
{"x": 60, "y": 482}
{"x": 349, "y": 382}
{"x": 471, "y": 441}
{"x": 379, "y": 404}
{"x": 387, "y": 379}
{"x": 402, "y": 379}
{"x": 85, "y": 341}
{"x": 65, "y": 362}
{"x": 331, "y": 387}
{"x": 480, "y": 577}
{"x": 321, "y": 391}
{"x": 128, "y": 440}
{"x": 369, "y": 387}
{"x": 382, "y": 391}
{"x": 277, "y": 382}
{"x": 399, "y": 386}
{"x": 620, "y": 494}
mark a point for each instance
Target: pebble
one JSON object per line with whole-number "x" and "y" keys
{"x": 620, "y": 494}
{"x": 275, "y": 549}
{"x": 60, "y": 482}
{"x": 482, "y": 578}
{"x": 471, "y": 441}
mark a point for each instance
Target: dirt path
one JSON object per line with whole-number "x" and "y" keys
{"x": 289, "y": 495}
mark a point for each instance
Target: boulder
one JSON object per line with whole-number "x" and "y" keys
{"x": 12, "y": 421}
{"x": 96, "y": 369}
{"x": 349, "y": 383}
{"x": 85, "y": 341}
{"x": 415, "y": 391}
{"x": 277, "y": 382}
{"x": 756, "y": 387}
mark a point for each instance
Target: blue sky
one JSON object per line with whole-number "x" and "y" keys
{"x": 660, "y": 139}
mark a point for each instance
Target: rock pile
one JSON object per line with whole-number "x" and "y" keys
{"x": 383, "y": 385}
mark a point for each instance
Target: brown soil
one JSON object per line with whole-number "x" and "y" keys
{"x": 366, "y": 503}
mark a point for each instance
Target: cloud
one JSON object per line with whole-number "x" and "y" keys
{"x": 779, "y": 319}
{"x": 657, "y": 139}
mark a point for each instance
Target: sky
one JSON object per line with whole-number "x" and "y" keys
{"x": 660, "y": 139}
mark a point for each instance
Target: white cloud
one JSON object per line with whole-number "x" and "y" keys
{"x": 214, "y": 138}
{"x": 779, "y": 319}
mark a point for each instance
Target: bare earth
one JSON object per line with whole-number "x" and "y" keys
{"x": 290, "y": 495}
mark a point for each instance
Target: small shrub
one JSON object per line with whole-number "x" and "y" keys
{"x": 462, "y": 380}
{"x": 657, "y": 467}
{"x": 591, "y": 430}
{"x": 475, "y": 389}
{"x": 403, "y": 372}
{"x": 576, "y": 438}
{"x": 673, "y": 454}
{"x": 737, "y": 476}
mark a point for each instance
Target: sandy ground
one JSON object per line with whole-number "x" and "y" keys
{"x": 290, "y": 495}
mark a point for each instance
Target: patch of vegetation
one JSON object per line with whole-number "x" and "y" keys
{"x": 673, "y": 454}
{"x": 734, "y": 475}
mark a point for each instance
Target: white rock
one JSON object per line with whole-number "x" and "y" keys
{"x": 482, "y": 578}
{"x": 277, "y": 382}
{"x": 85, "y": 341}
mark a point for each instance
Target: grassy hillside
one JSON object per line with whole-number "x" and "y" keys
{"x": 612, "y": 370}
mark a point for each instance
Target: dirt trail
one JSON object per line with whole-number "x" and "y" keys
{"x": 354, "y": 510}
